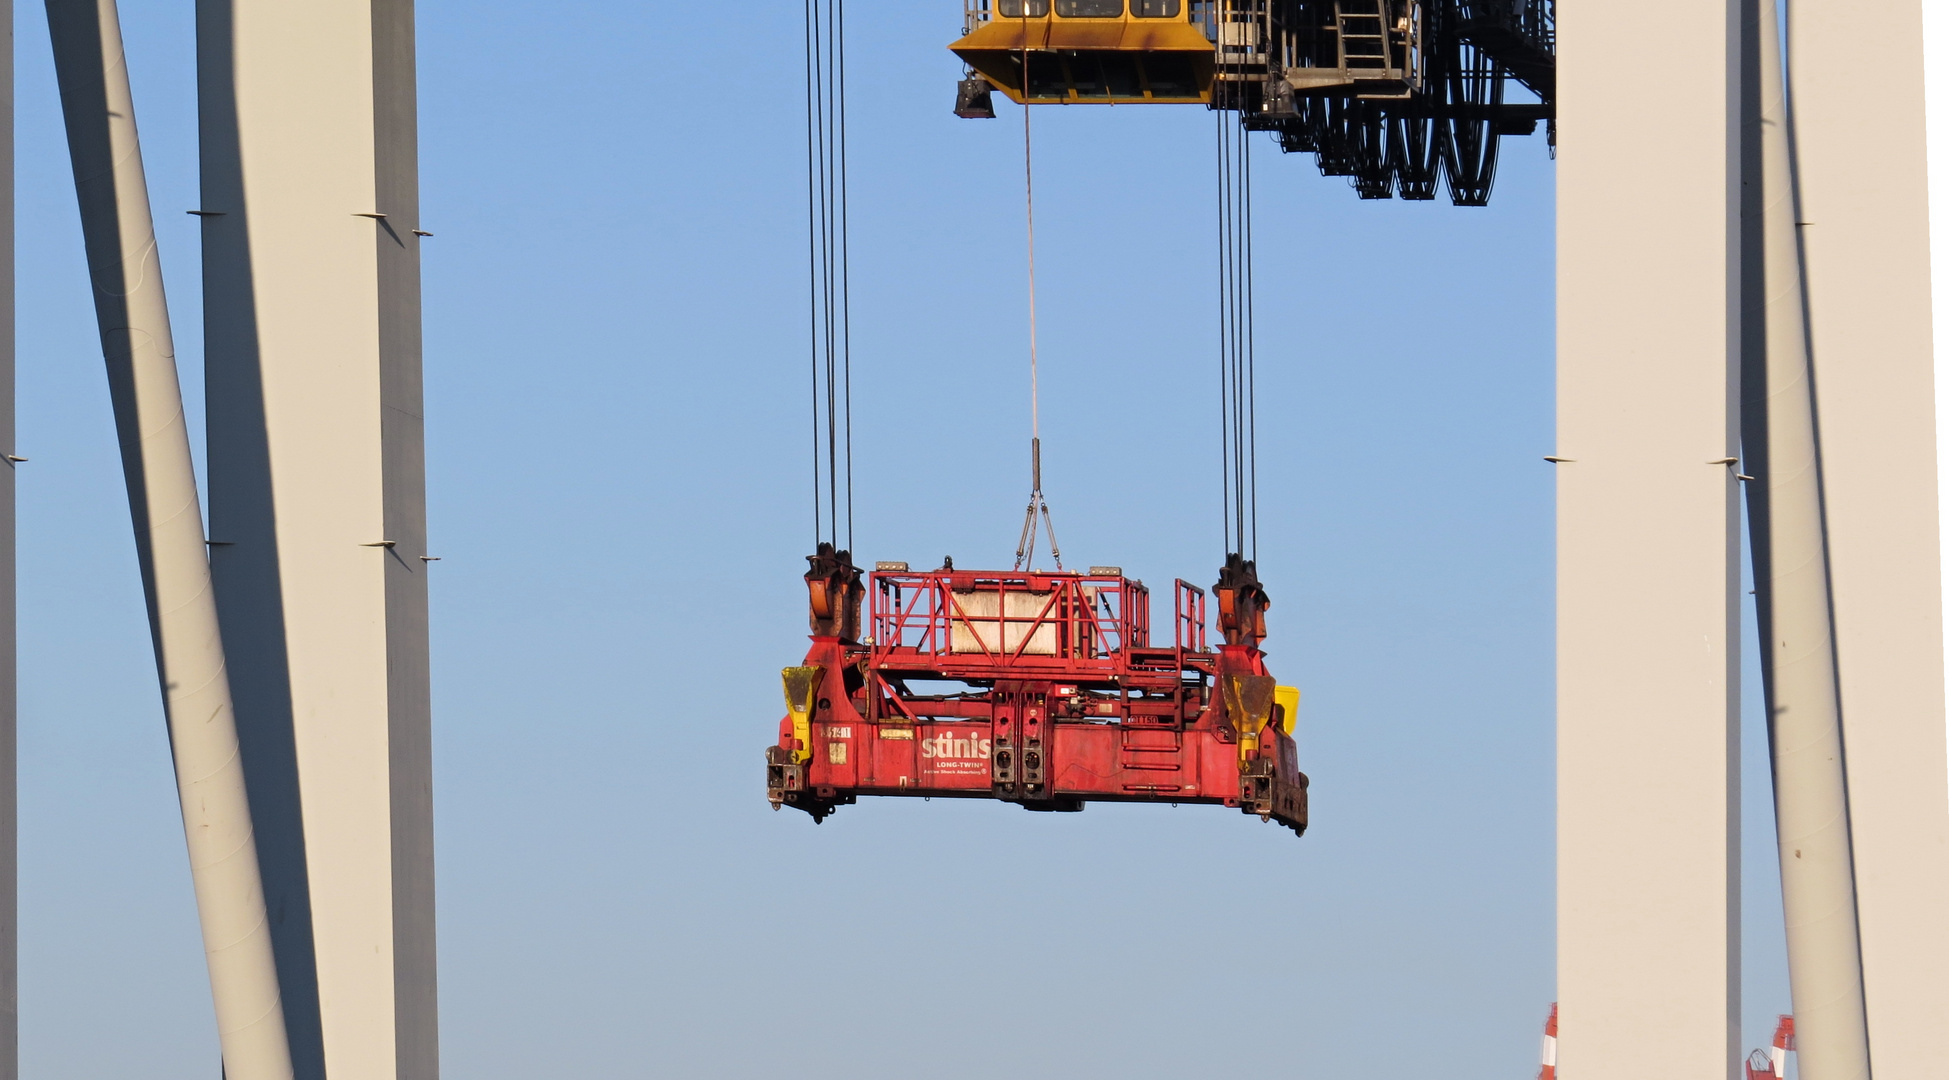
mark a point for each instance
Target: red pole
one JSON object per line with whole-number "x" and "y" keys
{"x": 1762, "y": 1065}
{"x": 1549, "y": 1047}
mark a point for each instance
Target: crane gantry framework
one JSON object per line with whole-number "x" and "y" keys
{"x": 1393, "y": 94}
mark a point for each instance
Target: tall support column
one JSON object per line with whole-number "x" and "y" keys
{"x": 1862, "y": 160}
{"x": 1647, "y": 540}
{"x": 1935, "y": 16}
{"x": 1794, "y": 601}
{"x": 311, "y": 290}
{"x": 9, "y": 683}
{"x": 133, "y": 313}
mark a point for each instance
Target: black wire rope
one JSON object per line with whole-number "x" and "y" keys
{"x": 827, "y": 213}
{"x": 1224, "y": 334}
{"x": 1237, "y": 340}
{"x": 828, "y": 269}
{"x": 812, "y": 250}
{"x": 1251, "y": 343}
{"x": 845, "y": 265}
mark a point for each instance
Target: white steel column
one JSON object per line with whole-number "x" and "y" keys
{"x": 1647, "y": 540}
{"x": 9, "y": 699}
{"x": 1794, "y": 602}
{"x": 1862, "y": 159}
{"x": 131, "y": 308}
{"x": 1935, "y": 16}
{"x": 316, "y": 496}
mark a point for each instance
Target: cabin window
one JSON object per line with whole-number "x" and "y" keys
{"x": 1090, "y": 9}
{"x": 1012, "y": 9}
{"x": 1156, "y": 9}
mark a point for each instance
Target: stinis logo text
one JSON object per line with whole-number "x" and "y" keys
{"x": 957, "y": 751}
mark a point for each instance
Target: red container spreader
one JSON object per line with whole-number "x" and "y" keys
{"x": 1041, "y": 689}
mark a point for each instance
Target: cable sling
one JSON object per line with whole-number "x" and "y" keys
{"x": 1025, "y": 547}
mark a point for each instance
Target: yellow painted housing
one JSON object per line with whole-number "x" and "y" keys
{"x": 1101, "y": 52}
{"x": 1285, "y": 708}
{"x": 1249, "y": 702}
{"x": 801, "y": 687}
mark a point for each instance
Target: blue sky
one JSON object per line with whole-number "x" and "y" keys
{"x": 615, "y": 358}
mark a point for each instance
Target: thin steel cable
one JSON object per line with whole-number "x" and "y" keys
{"x": 1224, "y": 308}
{"x": 1232, "y": 238}
{"x": 1226, "y": 316}
{"x": 845, "y": 264}
{"x": 1237, "y": 337}
{"x": 1028, "y": 187}
{"x": 1228, "y": 305}
{"x": 829, "y": 256}
{"x": 823, "y": 86}
{"x": 1025, "y": 549}
{"x": 1251, "y": 343}
{"x": 1238, "y": 383}
{"x": 812, "y": 202}
{"x": 1049, "y": 521}
{"x": 829, "y": 211}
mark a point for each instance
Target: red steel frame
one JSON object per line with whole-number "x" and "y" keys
{"x": 1054, "y": 697}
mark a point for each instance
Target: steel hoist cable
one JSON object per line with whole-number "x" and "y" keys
{"x": 828, "y": 272}
{"x": 1237, "y": 346}
{"x": 1025, "y": 547}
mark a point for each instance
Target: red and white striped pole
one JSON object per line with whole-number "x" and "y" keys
{"x": 1782, "y": 1042}
{"x": 1765, "y": 1065}
{"x": 1549, "y": 1047}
